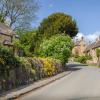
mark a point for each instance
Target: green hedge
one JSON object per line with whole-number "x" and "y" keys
{"x": 17, "y": 71}
{"x": 57, "y": 47}
{"x": 82, "y": 59}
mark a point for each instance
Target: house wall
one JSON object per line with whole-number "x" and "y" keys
{"x": 4, "y": 37}
{"x": 94, "y": 60}
{"x": 92, "y": 52}
{"x": 80, "y": 48}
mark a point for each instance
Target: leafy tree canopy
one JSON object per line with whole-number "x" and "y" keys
{"x": 58, "y": 23}
{"x": 27, "y": 41}
{"x": 58, "y": 47}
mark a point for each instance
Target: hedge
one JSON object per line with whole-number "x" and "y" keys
{"x": 17, "y": 71}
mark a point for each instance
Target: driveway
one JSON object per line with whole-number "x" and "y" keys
{"x": 82, "y": 84}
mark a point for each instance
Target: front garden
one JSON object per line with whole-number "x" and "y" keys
{"x": 45, "y": 52}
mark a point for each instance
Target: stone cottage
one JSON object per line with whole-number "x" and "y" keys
{"x": 6, "y": 35}
{"x": 81, "y": 48}
{"x": 91, "y": 50}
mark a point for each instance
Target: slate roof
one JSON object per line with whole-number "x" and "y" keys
{"x": 97, "y": 44}
{"x": 92, "y": 46}
{"x": 6, "y": 30}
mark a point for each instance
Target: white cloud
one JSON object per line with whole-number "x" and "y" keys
{"x": 80, "y": 35}
{"x": 89, "y": 37}
{"x": 93, "y": 37}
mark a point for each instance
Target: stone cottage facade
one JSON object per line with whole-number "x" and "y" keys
{"x": 79, "y": 47}
{"x": 91, "y": 50}
{"x": 82, "y": 48}
{"x": 6, "y": 38}
{"x": 6, "y": 35}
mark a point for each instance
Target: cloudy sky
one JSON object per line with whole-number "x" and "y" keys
{"x": 85, "y": 12}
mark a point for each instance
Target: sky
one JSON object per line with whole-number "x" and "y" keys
{"x": 85, "y": 12}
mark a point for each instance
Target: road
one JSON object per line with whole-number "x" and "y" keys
{"x": 82, "y": 84}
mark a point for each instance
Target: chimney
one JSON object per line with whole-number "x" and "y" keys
{"x": 82, "y": 38}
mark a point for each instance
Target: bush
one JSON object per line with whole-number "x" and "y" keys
{"x": 98, "y": 56}
{"x": 7, "y": 63}
{"x": 49, "y": 66}
{"x": 7, "y": 59}
{"x": 17, "y": 71}
{"x": 82, "y": 59}
{"x": 45, "y": 67}
{"x": 57, "y": 47}
{"x": 25, "y": 73}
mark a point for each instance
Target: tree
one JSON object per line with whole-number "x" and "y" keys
{"x": 58, "y": 23}
{"x": 18, "y": 13}
{"x": 58, "y": 47}
{"x": 27, "y": 42}
{"x": 98, "y": 55}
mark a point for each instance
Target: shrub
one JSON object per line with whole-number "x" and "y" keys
{"x": 16, "y": 71}
{"x": 7, "y": 63}
{"x": 98, "y": 55}
{"x": 45, "y": 67}
{"x": 49, "y": 66}
{"x": 82, "y": 59}
{"x": 7, "y": 59}
{"x": 25, "y": 71}
{"x": 57, "y": 47}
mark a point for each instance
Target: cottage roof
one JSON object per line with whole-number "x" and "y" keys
{"x": 6, "y": 30}
{"x": 89, "y": 47}
{"x": 97, "y": 44}
{"x": 92, "y": 46}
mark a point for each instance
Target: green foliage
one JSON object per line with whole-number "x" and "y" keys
{"x": 57, "y": 23}
{"x": 16, "y": 71}
{"x": 82, "y": 59}
{"x": 98, "y": 55}
{"x": 58, "y": 47}
{"x": 2, "y": 20}
{"x": 29, "y": 39}
{"x": 26, "y": 42}
{"x": 16, "y": 43}
{"x": 9, "y": 61}
{"x": 98, "y": 52}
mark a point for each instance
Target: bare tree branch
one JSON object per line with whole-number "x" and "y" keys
{"x": 18, "y": 11}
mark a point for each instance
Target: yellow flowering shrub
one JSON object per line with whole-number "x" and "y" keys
{"x": 50, "y": 66}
